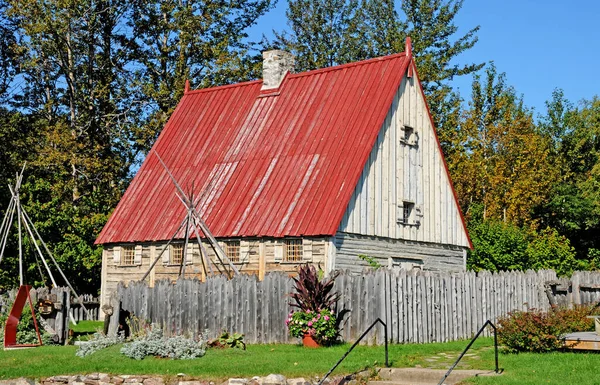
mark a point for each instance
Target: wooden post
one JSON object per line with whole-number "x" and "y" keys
{"x": 262, "y": 261}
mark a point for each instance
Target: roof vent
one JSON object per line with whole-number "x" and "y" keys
{"x": 276, "y": 64}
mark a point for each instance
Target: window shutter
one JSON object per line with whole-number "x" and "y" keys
{"x": 244, "y": 251}
{"x": 189, "y": 258}
{"x": 137, "y": 256}
{"x": 400, "y": 214}
{"x": 414, "y": 139}
{"x": 307, "y": 254}
{"x": 278, "y": 251}
{"x": 117, "y": 255}
{"x": 166, "y": 257}
{"x": 418, "y": 214}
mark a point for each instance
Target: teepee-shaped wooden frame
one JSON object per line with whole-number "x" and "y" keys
{"x": 193, "y": 222}
{"x": 23, "y": 295}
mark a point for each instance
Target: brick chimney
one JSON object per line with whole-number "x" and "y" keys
{"x": 276, "y": 64}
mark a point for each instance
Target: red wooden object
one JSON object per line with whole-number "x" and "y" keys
{"x": 10, "y": 330}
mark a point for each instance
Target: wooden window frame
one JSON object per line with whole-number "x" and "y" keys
{"x": 232, "y": 250}
{"x": 128, "y": 255}
{"x": 293, "y": 250}
{"x": 172, "y": 257}
{"x": 410, "y": 214}
{"x": 410, "y": 137}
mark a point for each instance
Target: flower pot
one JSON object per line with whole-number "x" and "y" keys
{"x": 309, "y": 342}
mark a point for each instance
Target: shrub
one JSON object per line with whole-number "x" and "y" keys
{"x": 538, "y": 331}
{"x": 320, "y": 325}
{"x": 98, "y": 342}
{"x": 228, "y": 340}
{"x": 155, "y": 344}
{"x": 311, "y": 293}
{"x": 315, "y": 299}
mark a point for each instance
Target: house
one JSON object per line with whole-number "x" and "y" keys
{"x": 320, "y": 167}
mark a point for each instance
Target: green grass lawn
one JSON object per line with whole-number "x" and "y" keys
{"x": 296, "y": 361}
{"x": 87, "y": 326}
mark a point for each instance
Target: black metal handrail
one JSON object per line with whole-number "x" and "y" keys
{"x": 488, "y": 322}
{"x": 387, "y": 365}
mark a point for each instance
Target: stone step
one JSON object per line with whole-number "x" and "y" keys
{"x": 423, "y": 376}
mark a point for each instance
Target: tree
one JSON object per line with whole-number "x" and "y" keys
{"x": 574, "y": 208}
{"x": 173, "y": 41}
{"x": 500, "y": 160}
{"x": 99, "y": 77}
{"x": 332, "y": 32}
{"x": 499, "y": 246}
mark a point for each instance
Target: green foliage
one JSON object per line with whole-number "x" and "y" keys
{"x": 154, "y": 344}
{"x": 497, "y": 246}
{"x": 311, "y": 293}
{"x": 547, "y": 249}
{"x": 373, "y": 263}
{"x": 98, "y": 342}
{"x": 26, "y": 333}
{"x": 232, "y": 340}
{"x": 332, "y": 32}
{"x": 501, "y": 246}
{"x": 321, "y": 325}
{"x": 574, "y": 204}
{"x": 538, "y": 331}
{"x": 96, "y": 83}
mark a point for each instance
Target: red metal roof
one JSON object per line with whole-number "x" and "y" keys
{"x": 278, "y": 164}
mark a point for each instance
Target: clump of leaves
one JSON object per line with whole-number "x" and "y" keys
{"x": 98, "y": 342}
{"x": 229, "y": 340}
{"x": 155, "y": 344}
{"x": 373, "y": 263}
{"x": 539, "y": 331}
{"x": 312, "y": 294}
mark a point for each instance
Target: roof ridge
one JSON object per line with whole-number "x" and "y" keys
{"x": 225, "y": 86}
{"x": 349, "y": 65}
{"x": 301, "y": 74}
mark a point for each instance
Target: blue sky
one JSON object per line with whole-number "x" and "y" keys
{"x": 540, "y": 45}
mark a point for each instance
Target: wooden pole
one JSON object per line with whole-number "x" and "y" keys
{"x": 218, "y": 250}
{"x": 37, "y": 247}
{"x": 28, "y": 219}
{"x": 11, "y": 212}
{"x": 185, "y": 245}
{"x": 162, "y": 251}
{"x": 20, "y": 240}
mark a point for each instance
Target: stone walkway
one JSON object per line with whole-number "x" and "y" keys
{"x": 445, "y": 360}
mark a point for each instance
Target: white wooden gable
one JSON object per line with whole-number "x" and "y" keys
{"x": 406, "y": 169}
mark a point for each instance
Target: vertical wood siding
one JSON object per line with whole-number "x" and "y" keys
{"x": 417, "y": 306}
{"x": 396, "y": 172}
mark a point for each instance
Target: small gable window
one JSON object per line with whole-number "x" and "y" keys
{"x": 409, "y": 214}
{"x": 410, "y": 137}
{"x": 293, "y": 250}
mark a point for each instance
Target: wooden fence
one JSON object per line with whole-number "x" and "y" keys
{"x": 64, "y": 309}
{"x": 417, "y": 306}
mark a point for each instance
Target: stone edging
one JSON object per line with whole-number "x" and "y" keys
{"x": 180, "y": 379}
